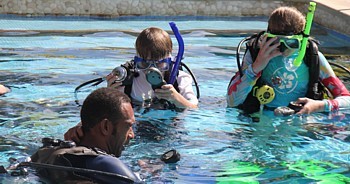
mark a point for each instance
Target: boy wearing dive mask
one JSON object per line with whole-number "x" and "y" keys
{"x": 153, "y": 51}
{"x": 153, "y": 48}
{"x": 274, "y": 66}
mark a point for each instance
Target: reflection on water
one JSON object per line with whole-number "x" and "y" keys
{"x": 43, "y": 65}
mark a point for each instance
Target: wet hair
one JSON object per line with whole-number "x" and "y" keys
{"x": 153, "y": 44}
{"x": 286, "y": 21}
{"x": 103, "y": 103}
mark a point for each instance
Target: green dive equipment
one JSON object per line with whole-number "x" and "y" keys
{"x": 306, "y": 34}
{"x": 287, "y": 42}
{"x": 265, "y": 94}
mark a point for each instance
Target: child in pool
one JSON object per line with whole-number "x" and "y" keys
{"x": 285, "y": 23}
{"x": 153, "y": 49}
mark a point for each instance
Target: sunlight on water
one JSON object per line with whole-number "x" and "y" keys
{"x": 43, "y": 60}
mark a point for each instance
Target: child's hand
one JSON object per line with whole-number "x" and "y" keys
{"x": 268, "y": 50}
{"x": 74, "y": 133}
{"x": 111, "y": 82}
{"x": 310, "y": 105}
{"x": 3, "y": 89}
{"x": 167, "y": 92}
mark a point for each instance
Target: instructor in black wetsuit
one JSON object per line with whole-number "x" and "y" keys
{"x": 107, "y": 118}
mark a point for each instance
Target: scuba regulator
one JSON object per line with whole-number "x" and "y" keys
{"x": 265, "y": 94}
{"x": 155, "y": 77}
{"x": 120, "y": 73}
{"x": 123, "y": 73}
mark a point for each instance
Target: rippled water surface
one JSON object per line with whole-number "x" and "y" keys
{"x": 44, "y": 59}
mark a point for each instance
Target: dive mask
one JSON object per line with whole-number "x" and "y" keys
{"x": 287, "y": 42}
{"x": 162, "y": 65}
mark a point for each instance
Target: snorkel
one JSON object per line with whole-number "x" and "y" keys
{"x": 180, "y": 53}
{"x": 306, "y": 34}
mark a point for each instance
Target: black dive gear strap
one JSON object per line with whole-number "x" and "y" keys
{"x": 316, "y": 89}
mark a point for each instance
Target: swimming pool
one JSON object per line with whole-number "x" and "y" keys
{"x": 44, "y": 59}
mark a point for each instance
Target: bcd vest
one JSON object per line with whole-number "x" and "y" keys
{"x": 73, "y": 157}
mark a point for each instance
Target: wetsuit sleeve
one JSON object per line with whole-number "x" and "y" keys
{"x": 240, "y": 86}
{"x": 334, "y": 85}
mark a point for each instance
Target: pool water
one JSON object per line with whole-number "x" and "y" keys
{"x": 44, "y": 59}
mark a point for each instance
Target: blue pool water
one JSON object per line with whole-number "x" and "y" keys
{"x": 44, "y": 59}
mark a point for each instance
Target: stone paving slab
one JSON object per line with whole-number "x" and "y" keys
{"x": 333, "y": 14}
{"x": 342, "y": 6}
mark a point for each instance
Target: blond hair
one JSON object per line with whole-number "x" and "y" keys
{"x": 153, "y": 44}
{"x": 286, "y": 21}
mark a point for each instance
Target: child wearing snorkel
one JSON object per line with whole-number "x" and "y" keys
{"x": 153, "y": 51}
{"x": 275, "y": 66}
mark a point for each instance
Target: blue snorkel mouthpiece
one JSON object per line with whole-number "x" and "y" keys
{"x": 179, "y": 55}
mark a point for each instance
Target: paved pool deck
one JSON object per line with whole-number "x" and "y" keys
{"x": 334, "y": 14}
{"x": 342, "y": 6}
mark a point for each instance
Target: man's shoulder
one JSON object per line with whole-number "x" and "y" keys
{"x": 111, "y": 164}
{"x": 104, "y": 162}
